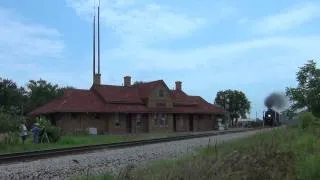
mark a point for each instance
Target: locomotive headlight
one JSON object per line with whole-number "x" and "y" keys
{"x": 269, "y": 115}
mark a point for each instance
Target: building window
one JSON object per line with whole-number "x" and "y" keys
{"x": 138, "y": 120}
{"x": 117, "y": 120}
{"x": 162, "y": 119}
{"x": 155, "y": 119}
{"x": 161, "y": 93}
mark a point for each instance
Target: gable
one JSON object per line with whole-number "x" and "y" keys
{"x": 182, "y": 99}
{"x": 118, "y": 94}
{"x": 159, "y": 96}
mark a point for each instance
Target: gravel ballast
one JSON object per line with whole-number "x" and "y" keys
{"x": 94, "y": 163}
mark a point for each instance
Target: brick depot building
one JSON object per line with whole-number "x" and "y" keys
{"x": 139, "y": 108}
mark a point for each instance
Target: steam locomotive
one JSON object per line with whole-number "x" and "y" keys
{"x": 271, "y": 118}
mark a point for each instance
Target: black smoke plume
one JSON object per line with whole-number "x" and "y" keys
{"x": 277, "y": 101}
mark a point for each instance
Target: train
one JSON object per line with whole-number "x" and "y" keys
{"x": 271, "y": 118}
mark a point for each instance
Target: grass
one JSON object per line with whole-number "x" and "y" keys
{"x": 286, "y": 154}
{"x": 77, "y": 140}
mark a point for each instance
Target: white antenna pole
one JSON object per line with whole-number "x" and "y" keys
{"x": 99, "y": 38}
{"x": 94, "y": 41}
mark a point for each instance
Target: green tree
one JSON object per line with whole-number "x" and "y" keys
{"x": 235, "y": 102}
{"x": 41, "y": 92}
{"x": 9, "y": 122}
{"x": 9, "y": 126}
{"x": 12, "y": 97}
{"x": 307, "y": 93}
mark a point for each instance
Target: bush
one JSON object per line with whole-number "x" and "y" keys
{"x": 307, "y": 119}
{"x": 12, "y": 138}
{"x": 9, "y": 122}
{"x": 9, "y": 126}
{"x": 53, "y": 132}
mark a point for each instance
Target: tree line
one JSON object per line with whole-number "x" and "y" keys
{"x": 23, "y": 99}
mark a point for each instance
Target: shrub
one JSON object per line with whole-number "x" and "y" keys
{"x": 307, "y": 119}
{"x": 9, "y": 126}
{"x": 53, "y": 132}
{"x": 12, "y": 138}
{"x": 9, "y": 122}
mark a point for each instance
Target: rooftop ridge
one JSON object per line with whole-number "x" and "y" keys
{"x": 76, "y": 89}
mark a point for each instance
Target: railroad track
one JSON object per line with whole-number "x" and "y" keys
{"x": 34, "y": 155}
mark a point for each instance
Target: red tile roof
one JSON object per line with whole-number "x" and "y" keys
{"x": 75, "y": 100}
{"x": 107, "y": 98}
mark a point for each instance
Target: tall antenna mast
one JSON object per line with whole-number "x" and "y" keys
{"x": 94, "y": 41}
{"x": 99, "y": 38}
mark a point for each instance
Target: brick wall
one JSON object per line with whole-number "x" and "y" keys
{"x": 157, "y": 99}
{"x": 206, "y": 122}
{"x": 156, "y": 126}
{"x": 139, "y": 124}
{"x": 196, "y": 124}
{"x": 118, "y": 123}
{"x": 182, "y": 122}
{"x": 69, "y": 122}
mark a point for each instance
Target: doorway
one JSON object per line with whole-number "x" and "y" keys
{"x": 129, "y": 123}
{"x": 190, "y": 122}
{"x": 174, "y": 123}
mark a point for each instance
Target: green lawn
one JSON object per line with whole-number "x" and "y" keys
{"x": 77, "y": 140}
{"x": 287, "y": 153}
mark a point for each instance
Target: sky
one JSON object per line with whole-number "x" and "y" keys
{"x": 209, "y": 45}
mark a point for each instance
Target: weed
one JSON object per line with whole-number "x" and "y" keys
{"x": 287, "y": 153}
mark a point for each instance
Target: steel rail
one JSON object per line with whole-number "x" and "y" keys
{"x": 41, "y": 154}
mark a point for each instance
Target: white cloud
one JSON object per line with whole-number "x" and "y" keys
{"x": 241, "y": 62}
{"x": 146, "y": 58}
{"x": 26, "y": 46}
{"x": 20, "y": 39}
{"x": 141, "y": 23}
{"x": 293, "y": 17}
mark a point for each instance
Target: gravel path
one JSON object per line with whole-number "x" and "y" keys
{"x": 98, "y": 162}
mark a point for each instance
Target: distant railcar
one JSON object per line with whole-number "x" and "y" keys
{"x": 271, "y": 118}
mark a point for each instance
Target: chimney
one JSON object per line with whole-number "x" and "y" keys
{"x": 127, "y": 81}
{"x": 97, "y": 79}
{"x": 178, "y": 85}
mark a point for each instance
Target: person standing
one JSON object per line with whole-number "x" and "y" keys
{"x": 36, "y": 132}
{"x": 24, "y": 132}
